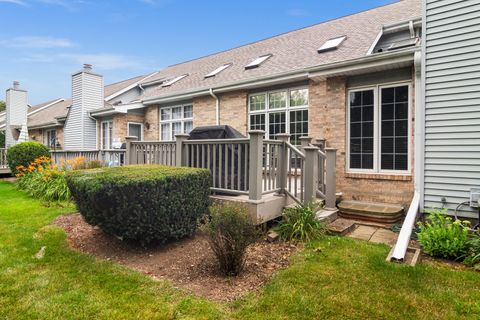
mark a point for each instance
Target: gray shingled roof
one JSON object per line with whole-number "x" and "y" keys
{"x": 291, "y": 51}
{"x": 47, "y": 116}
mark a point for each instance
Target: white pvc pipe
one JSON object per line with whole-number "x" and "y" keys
{"x": 217, "y": 107}
{"x": 404, "y": 237}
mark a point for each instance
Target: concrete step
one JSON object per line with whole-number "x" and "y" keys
{"x": 327, "y": 216}
{"x": 341, "y": 227}
{"x": 370, "y": 211}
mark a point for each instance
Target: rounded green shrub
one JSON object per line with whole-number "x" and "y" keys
{"x": 24, "y": 153}
{"x": 142, "y": 203}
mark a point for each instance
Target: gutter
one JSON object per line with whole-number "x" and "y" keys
{"x": 385, "y": 58}
{"x": 217, "y": 106}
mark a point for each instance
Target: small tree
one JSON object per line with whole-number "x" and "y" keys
{"x": 3, "y": 106}
{"x": 230, "y": 231}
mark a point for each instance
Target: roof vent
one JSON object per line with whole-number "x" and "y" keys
{"x": 87, "y": 67}
{"x": 16, "y": 85}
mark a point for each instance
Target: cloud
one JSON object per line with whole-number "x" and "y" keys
{"x": 297, "y": 12}
{"x": 17, "y": 2}
{"x": 34, "y": 42}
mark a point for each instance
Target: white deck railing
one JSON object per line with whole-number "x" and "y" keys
{"x": 110, "y": 158}
{"x": 3, "y": 158}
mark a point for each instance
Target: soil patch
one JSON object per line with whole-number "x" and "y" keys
{"x": 188, "y": 263}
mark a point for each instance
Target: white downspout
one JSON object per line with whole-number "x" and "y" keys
{"x": 400, "y": 249}
{"x": 217, "y": 107}
{"x": 419, "y": 128}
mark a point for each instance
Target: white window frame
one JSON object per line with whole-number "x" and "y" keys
{"x": 377, "y": 129}
{"x": 101, "y": 135}
{"x": 182, "y": 120}
{"x": 287, "y": 108}
{"x": 141, "y": 129}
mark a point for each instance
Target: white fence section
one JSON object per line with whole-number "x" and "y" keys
{"x": 3, "y": 158}
{"x": 109, "y": 158}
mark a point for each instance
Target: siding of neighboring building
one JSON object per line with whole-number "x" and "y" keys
{"x": 452, "y": 102}
{"x": 16, "y": 113}
{"x": 87, "y": 95}
{"x": 127, "y": 97}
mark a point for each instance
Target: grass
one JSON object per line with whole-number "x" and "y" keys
{"x": 333, "y": 278}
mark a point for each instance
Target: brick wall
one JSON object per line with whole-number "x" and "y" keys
{"x": 152, "y": 122}
{"x": 59, "y": 133}
{"x": 233, "y": 110}
{"x": 204, "y": 111}
{"x": 328, "y": 116}
{"x": 36, "y": 135}
{"x": 120, "y": 124}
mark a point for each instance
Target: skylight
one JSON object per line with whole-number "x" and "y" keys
{"x": 172, "y": 81}
{"x": 218, "y": 70}
{"x": 331, "y": 44}
{"x": 257, "y": 62}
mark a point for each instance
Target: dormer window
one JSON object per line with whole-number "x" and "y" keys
{"x": 174, "y": 80}
{"x": 331, "y": 44}
{"x": 218, "y": 70}
{"x": 257, "y": 62}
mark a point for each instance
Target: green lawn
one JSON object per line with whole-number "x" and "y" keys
{"x": 336, "y": 278}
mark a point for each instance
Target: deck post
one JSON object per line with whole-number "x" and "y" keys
{"x": 331, "y": 179}
{"x": 283, "y": 161}
{"x": 129, "y": 153}
{"x": 305, "y": 142}
{"x": 311, "y": 173}
{"x": 255, "y": 165}
{"x": 179, "y": 154}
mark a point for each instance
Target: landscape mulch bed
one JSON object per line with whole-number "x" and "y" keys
{"x": 188, "y": 263}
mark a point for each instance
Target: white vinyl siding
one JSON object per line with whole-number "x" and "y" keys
{"x": 452, "y": 102}
{"x": 80, "y": 131}
{"x": 16, "y": 113}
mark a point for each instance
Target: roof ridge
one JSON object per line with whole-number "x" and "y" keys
{"x": 284, "y": 33}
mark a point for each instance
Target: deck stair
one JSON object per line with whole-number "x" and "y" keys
{"x": 370, "y": 211}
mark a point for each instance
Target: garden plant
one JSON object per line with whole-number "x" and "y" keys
{"x": 230, "y": 230}
{"x": 300, "y": 223}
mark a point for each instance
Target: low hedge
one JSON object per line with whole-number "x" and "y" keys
{"x": 22, "y": 154}
{"x": 144, "y": 203}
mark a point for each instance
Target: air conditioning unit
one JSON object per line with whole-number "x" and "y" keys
{"x": 475, "y": 197}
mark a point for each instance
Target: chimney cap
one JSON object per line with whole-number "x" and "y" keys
{"x": 87, "y": 67}
{"x": 16, "y": 85}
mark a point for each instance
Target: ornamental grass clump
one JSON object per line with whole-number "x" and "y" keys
{"x": 230, "y": 230}
{"x": 300, "y": 223}
{"x": 441, "y": 236}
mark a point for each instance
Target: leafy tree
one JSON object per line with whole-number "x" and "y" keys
{"x": 2, "y": 106}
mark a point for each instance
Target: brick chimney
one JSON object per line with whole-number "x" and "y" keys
{"x": 16, "y": 113}
{"x": 80, "y": 132}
